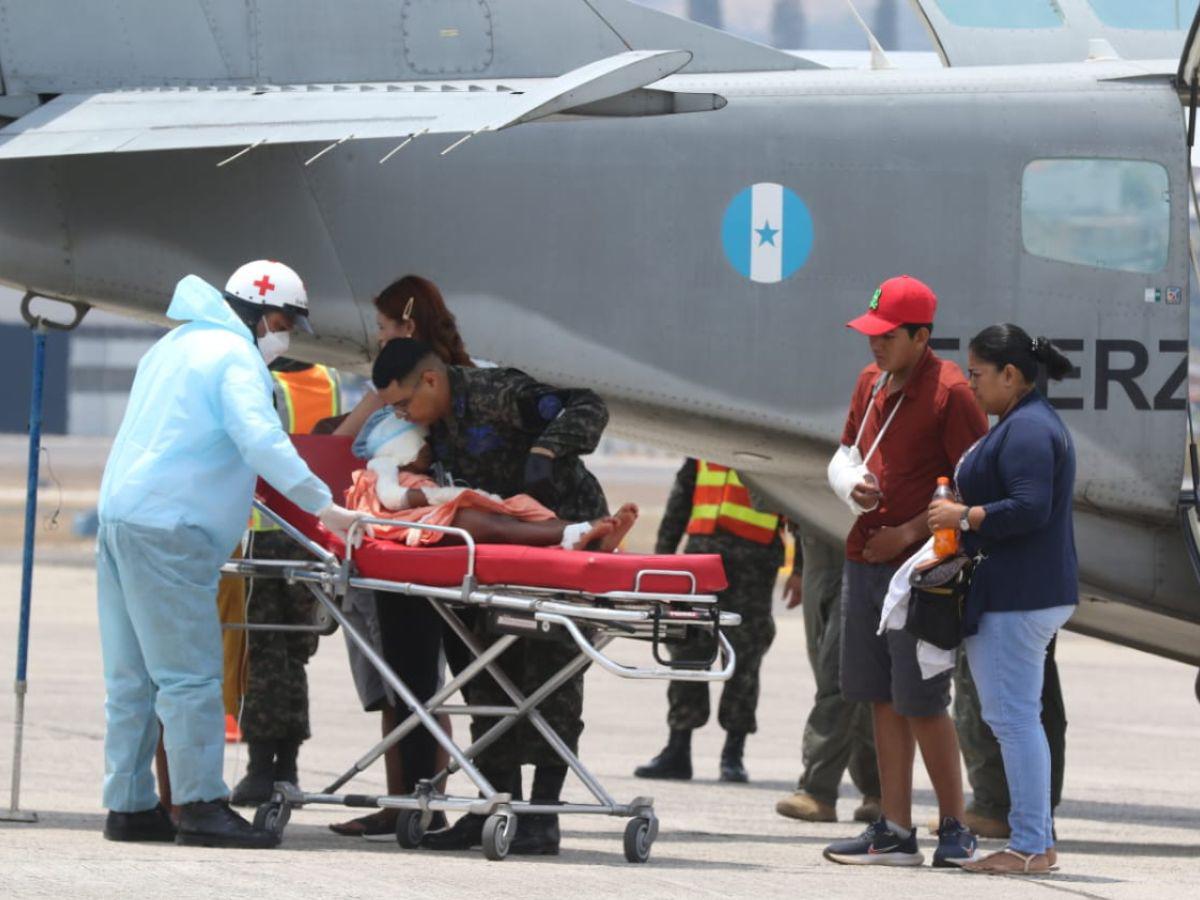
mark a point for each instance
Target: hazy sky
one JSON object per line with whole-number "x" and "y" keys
{"x": 828, "y": 24}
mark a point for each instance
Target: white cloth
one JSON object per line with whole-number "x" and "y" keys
{"x": 932, "y": 660}
{"x": 847, "y": 467}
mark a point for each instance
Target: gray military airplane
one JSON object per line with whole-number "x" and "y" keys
{"x": 684, "y": 220}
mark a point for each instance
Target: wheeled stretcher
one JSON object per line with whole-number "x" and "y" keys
{"x": 529, "y": 593}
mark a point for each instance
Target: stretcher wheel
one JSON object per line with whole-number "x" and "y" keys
{"x": 272, "y": 816}
{"x": 497, "y": 836}
{"x": 409, "y": 829}
{"x": 639, "y": 838}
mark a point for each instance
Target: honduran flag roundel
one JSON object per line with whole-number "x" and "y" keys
{"x": 767, "y": 233}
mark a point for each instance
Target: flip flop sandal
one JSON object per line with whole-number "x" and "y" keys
{"x": 1026, "y": 858}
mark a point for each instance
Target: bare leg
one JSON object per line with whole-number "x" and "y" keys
{"x": 493, "y": 528}
{"x": 895, "y": 749}
{"x": 939, "y": 749}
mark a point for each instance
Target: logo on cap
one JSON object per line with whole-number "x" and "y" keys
{"x": 875, "y": 298}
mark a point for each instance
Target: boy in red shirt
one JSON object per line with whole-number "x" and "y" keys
{"x": 928, "y": 418}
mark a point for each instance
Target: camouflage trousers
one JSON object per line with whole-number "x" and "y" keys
{"x": 981, "y": 750}
{"x": 275, "y": 707}
{"x": 528, "y": 663}
{"x": 752, "y": 571}
{"x": 838, "y": 734}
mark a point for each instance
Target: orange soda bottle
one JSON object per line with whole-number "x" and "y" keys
{"x": 945, "y": 540}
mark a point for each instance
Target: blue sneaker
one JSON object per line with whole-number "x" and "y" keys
{"x": 956, "y": 844}
{"x": 877, "y": 846}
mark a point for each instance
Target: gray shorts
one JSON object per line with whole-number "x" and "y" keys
{"x": 882, "y": 668}
{"x": 359, "y": 607}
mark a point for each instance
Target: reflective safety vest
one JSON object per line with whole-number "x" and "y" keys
{"x": 722, "y": 502}
{"x": 303, "y": 399}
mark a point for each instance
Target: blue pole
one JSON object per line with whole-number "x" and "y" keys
{"x": 31, "y": 488}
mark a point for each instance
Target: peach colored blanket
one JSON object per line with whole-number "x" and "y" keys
{"x": 361, "y": 496}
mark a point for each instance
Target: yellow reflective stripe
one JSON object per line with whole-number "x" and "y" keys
{"x": 706, "y": 511}
{"x": 288, "y": 403}
{"x": 749, "y": 516}
{"x": 710, "y": 478}
{"x": 335, "y": 389}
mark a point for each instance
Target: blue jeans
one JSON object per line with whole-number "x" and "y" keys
{"x": 161, "y": 643}
{"x": 1007, "y": 657}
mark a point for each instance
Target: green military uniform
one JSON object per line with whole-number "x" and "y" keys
{"x": 751, "y": 569}
{"x": 497, "y": 417}
{"x": 837, "y": 734}
{"x": 275, "y": 707}
{"x": 981, "y": 750}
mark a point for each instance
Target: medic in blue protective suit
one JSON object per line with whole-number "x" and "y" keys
{"x": 176, "y": 495}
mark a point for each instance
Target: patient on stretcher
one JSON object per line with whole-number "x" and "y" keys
{"x": 394, "y": 485}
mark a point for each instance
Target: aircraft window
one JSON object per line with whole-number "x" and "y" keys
{"x": 1108, "y": 213}
{"x": 1003, "y": 13}
{"x": 1146, "y": 15}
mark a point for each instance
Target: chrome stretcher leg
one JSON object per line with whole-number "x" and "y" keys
{"x": 527, "y": 708}
{"x": 411, "y": 722}
{"x": 418, "y": 708}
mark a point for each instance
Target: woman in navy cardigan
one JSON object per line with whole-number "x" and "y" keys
{"x": 1016, "y": 485}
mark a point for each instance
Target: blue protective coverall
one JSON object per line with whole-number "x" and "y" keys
{"x": 174, "y": 502}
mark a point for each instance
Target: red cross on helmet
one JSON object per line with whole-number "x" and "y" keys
{"x": 272, "y": 284}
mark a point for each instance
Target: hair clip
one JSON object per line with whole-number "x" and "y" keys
{"x": 408, "y": 307}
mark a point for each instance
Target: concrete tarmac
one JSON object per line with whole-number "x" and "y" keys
{"x": 1128, "y": 826}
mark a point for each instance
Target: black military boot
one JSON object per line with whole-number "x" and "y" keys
{"x": 214, "y": 824}
{"x": 259, "y": 782}
{"x": 675, "y": 760}
{"x": 147, "y": 825}
{"x": 467, "y": 832}
{"x": 538, "y": 834}
{"x": 731, "y": 758}
{"x": 286, "y": 762}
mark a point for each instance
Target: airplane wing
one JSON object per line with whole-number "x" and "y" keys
{"x": 190, "y": 118}
{"x": 1016, "y": 32}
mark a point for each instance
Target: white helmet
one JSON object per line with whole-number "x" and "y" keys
{"x": 265, "y": 282}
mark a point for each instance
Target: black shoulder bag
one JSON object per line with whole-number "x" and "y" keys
{"x": 935, "y": 606}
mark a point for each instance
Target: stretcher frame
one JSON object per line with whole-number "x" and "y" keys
{"x": 609, "y": 616}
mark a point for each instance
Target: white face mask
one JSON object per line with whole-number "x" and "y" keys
{"x": 273, "y": 344}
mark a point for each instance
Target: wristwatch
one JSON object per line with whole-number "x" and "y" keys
{"x": 964, "y": 521}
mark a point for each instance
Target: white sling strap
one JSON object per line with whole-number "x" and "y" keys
{"x": 866, "y": 414}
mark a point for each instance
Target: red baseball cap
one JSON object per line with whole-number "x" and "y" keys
{"x": 902, "y": 300}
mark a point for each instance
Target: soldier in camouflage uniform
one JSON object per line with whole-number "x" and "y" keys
{"x": 838, "y": 734}
{"x": 752, "y": 560}
{"x": 274, "y": 717}
{"x": 503, "y": 432}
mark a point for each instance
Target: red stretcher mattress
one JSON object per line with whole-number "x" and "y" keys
{"x": 597, "y": 573}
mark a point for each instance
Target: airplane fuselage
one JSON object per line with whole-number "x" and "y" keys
{"x": 594, "y": 250}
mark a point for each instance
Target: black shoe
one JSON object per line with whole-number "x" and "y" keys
{"x": 257, "y": 785}
{"x": 732, "y": 768}
{"x": 286, "y": 762}
{"x": 214, "y": 824}
{"x": 254, "y": 789}
{"x": 537, "y": 835}
{"x": 675, "y": 760}
{"x": 147, "y": 825}
{"x": 465, "y": 834}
